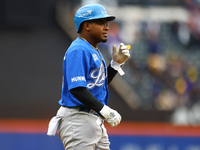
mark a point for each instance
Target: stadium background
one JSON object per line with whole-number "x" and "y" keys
{"x": 159, "y": 98}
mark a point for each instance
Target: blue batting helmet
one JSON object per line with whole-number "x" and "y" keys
{"x": 90, "y": 12}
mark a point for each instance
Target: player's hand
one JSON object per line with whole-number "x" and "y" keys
{"x": 121, "y": 55}
{"x": 110, "y": 115}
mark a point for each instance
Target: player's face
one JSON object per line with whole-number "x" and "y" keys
{"x": 99, "y": 30}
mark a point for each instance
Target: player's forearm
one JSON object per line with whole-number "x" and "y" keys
{"x": 85, "y": 97}
{"x": 111, "y": 73}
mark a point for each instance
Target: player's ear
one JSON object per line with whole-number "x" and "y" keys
{"x": 87, "y": 26}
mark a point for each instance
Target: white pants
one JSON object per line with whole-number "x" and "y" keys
{"x": 80, "y": 130}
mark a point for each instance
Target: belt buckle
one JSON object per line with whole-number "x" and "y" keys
{"x": 93, "y": 112}
{"x": 88, "y": 110}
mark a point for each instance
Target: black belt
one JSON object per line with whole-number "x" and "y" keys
{"x": 86, "y": 109}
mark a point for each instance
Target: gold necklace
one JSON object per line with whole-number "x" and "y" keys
{"x": 88, "y": 42}
{"x": 93, "y": 48}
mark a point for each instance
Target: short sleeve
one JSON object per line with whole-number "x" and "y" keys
{"x": 76, "y": 64}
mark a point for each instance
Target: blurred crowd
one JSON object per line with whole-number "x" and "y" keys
{"x": 164, "y": 69}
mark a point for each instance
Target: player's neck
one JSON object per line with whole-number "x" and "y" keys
{"x": 89, "y": 40}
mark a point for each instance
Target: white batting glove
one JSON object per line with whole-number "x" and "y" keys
{"x": 110, "y": 115}
{"x": 121, "y": 55}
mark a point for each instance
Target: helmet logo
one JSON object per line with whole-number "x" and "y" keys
{"x": 103, "y": 11}
{"x": 89, "y": 12}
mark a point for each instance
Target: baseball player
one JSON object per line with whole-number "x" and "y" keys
{"x": 79, "y": 121}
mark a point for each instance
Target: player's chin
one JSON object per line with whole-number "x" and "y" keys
{"x": 104, "y": 40}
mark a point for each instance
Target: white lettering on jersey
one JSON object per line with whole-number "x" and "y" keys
{"x": 79, "y": 78}
{"x": 95, "y": 57}
{"x": 99, "y": 77}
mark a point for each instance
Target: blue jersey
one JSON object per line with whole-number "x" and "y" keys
{"x": 83, "y": 66}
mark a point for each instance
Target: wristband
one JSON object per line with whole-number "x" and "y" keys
{"x": 117, "y": 67}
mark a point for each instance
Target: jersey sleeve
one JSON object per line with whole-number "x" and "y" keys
{"x": 76, "y": 69}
